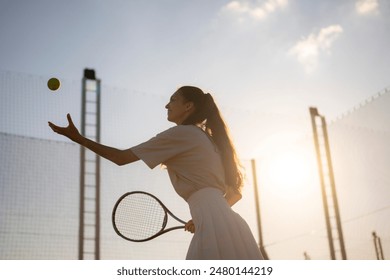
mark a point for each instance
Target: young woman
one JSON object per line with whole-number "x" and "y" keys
{"x": 204, "y": 170}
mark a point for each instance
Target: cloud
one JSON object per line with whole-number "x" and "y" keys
{"x": 308, "y": 50}
{"x": 366, "y": 7}
{"x": 258, "y": 10}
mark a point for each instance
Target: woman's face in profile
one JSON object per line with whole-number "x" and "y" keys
{"x": 178, "y": 108}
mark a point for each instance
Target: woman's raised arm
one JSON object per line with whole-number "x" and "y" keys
{"x": 119, "y": 157}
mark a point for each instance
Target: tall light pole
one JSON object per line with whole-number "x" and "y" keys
{"x": 328, "y": 188}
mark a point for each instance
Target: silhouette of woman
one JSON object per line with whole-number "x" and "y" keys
{"x": 204, "y": 170}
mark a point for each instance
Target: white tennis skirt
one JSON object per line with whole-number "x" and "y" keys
{"x": 220, "y": 233}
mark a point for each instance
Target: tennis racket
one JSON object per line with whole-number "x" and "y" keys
{"x": 140, "y": 216}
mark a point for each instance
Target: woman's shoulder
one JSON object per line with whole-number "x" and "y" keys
{"x": 183, "y": 130}
{"x": 182, "y": 133}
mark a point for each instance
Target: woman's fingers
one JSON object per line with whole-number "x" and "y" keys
{"x": 69, "y": 119}
{"x": 191, "y": 229}
{"x": 189, "y": 226}
{"x": 54, "y": 127}
{"x": 59, "y": 129}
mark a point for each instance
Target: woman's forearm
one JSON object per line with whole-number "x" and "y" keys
{"x": 119, "y": 157}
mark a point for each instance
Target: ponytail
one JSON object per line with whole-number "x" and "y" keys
{"x": 207, "y": 114}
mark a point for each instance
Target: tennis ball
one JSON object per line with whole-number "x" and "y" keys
{"x": 53, "y": 84}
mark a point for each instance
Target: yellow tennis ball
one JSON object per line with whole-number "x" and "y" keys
{"x": 53, "y": 84}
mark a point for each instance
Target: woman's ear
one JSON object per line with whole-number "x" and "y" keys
{"x": 189, "y": 106}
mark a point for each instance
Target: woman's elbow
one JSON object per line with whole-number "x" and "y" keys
{"x": 126, "y": 157}
{"x": 233, "y": 197}
{"x": 120, "y": 163}
{"x": 236, "y": 197}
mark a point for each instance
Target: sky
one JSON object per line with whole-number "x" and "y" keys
{"x": 275, "y": 58}
{"x": 264, "y": 61}
{"x": 268, "y": 55}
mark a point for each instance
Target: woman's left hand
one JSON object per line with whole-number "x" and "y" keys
{"x": 189, "y": 226}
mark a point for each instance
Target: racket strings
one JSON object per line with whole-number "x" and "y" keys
{"x": 139, "y": 216}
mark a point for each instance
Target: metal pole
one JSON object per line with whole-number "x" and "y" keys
{"x": 97, "y": 217}
{"x": 380, "y": 249}
{"x": 306, "y": 256}
{"x": 314, "y": 113}
{"x": 257, "y": 199}
{"x": 378, "y": 246}
{"x": 375, "y": 245}
{"x": 82, "y": 172}
{"x": 333, "y": 188}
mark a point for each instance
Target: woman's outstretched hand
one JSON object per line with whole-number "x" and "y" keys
{"x": 189, "y": 226}
{"x": 70, "y": 131}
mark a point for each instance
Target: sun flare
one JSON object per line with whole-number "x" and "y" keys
{"x": 289, "y": 171}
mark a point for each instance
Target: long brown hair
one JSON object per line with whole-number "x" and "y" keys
{"x": 207, "y": 114}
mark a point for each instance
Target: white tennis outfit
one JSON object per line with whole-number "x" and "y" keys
{"x": 196, "y": 172}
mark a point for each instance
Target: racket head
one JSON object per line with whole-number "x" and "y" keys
{"x": 139, "y": 216}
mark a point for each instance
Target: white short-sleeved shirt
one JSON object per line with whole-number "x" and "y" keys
{"x": 192, "y": 159}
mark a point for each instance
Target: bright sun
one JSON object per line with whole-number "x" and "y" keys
{"x": 290, "y": 170}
